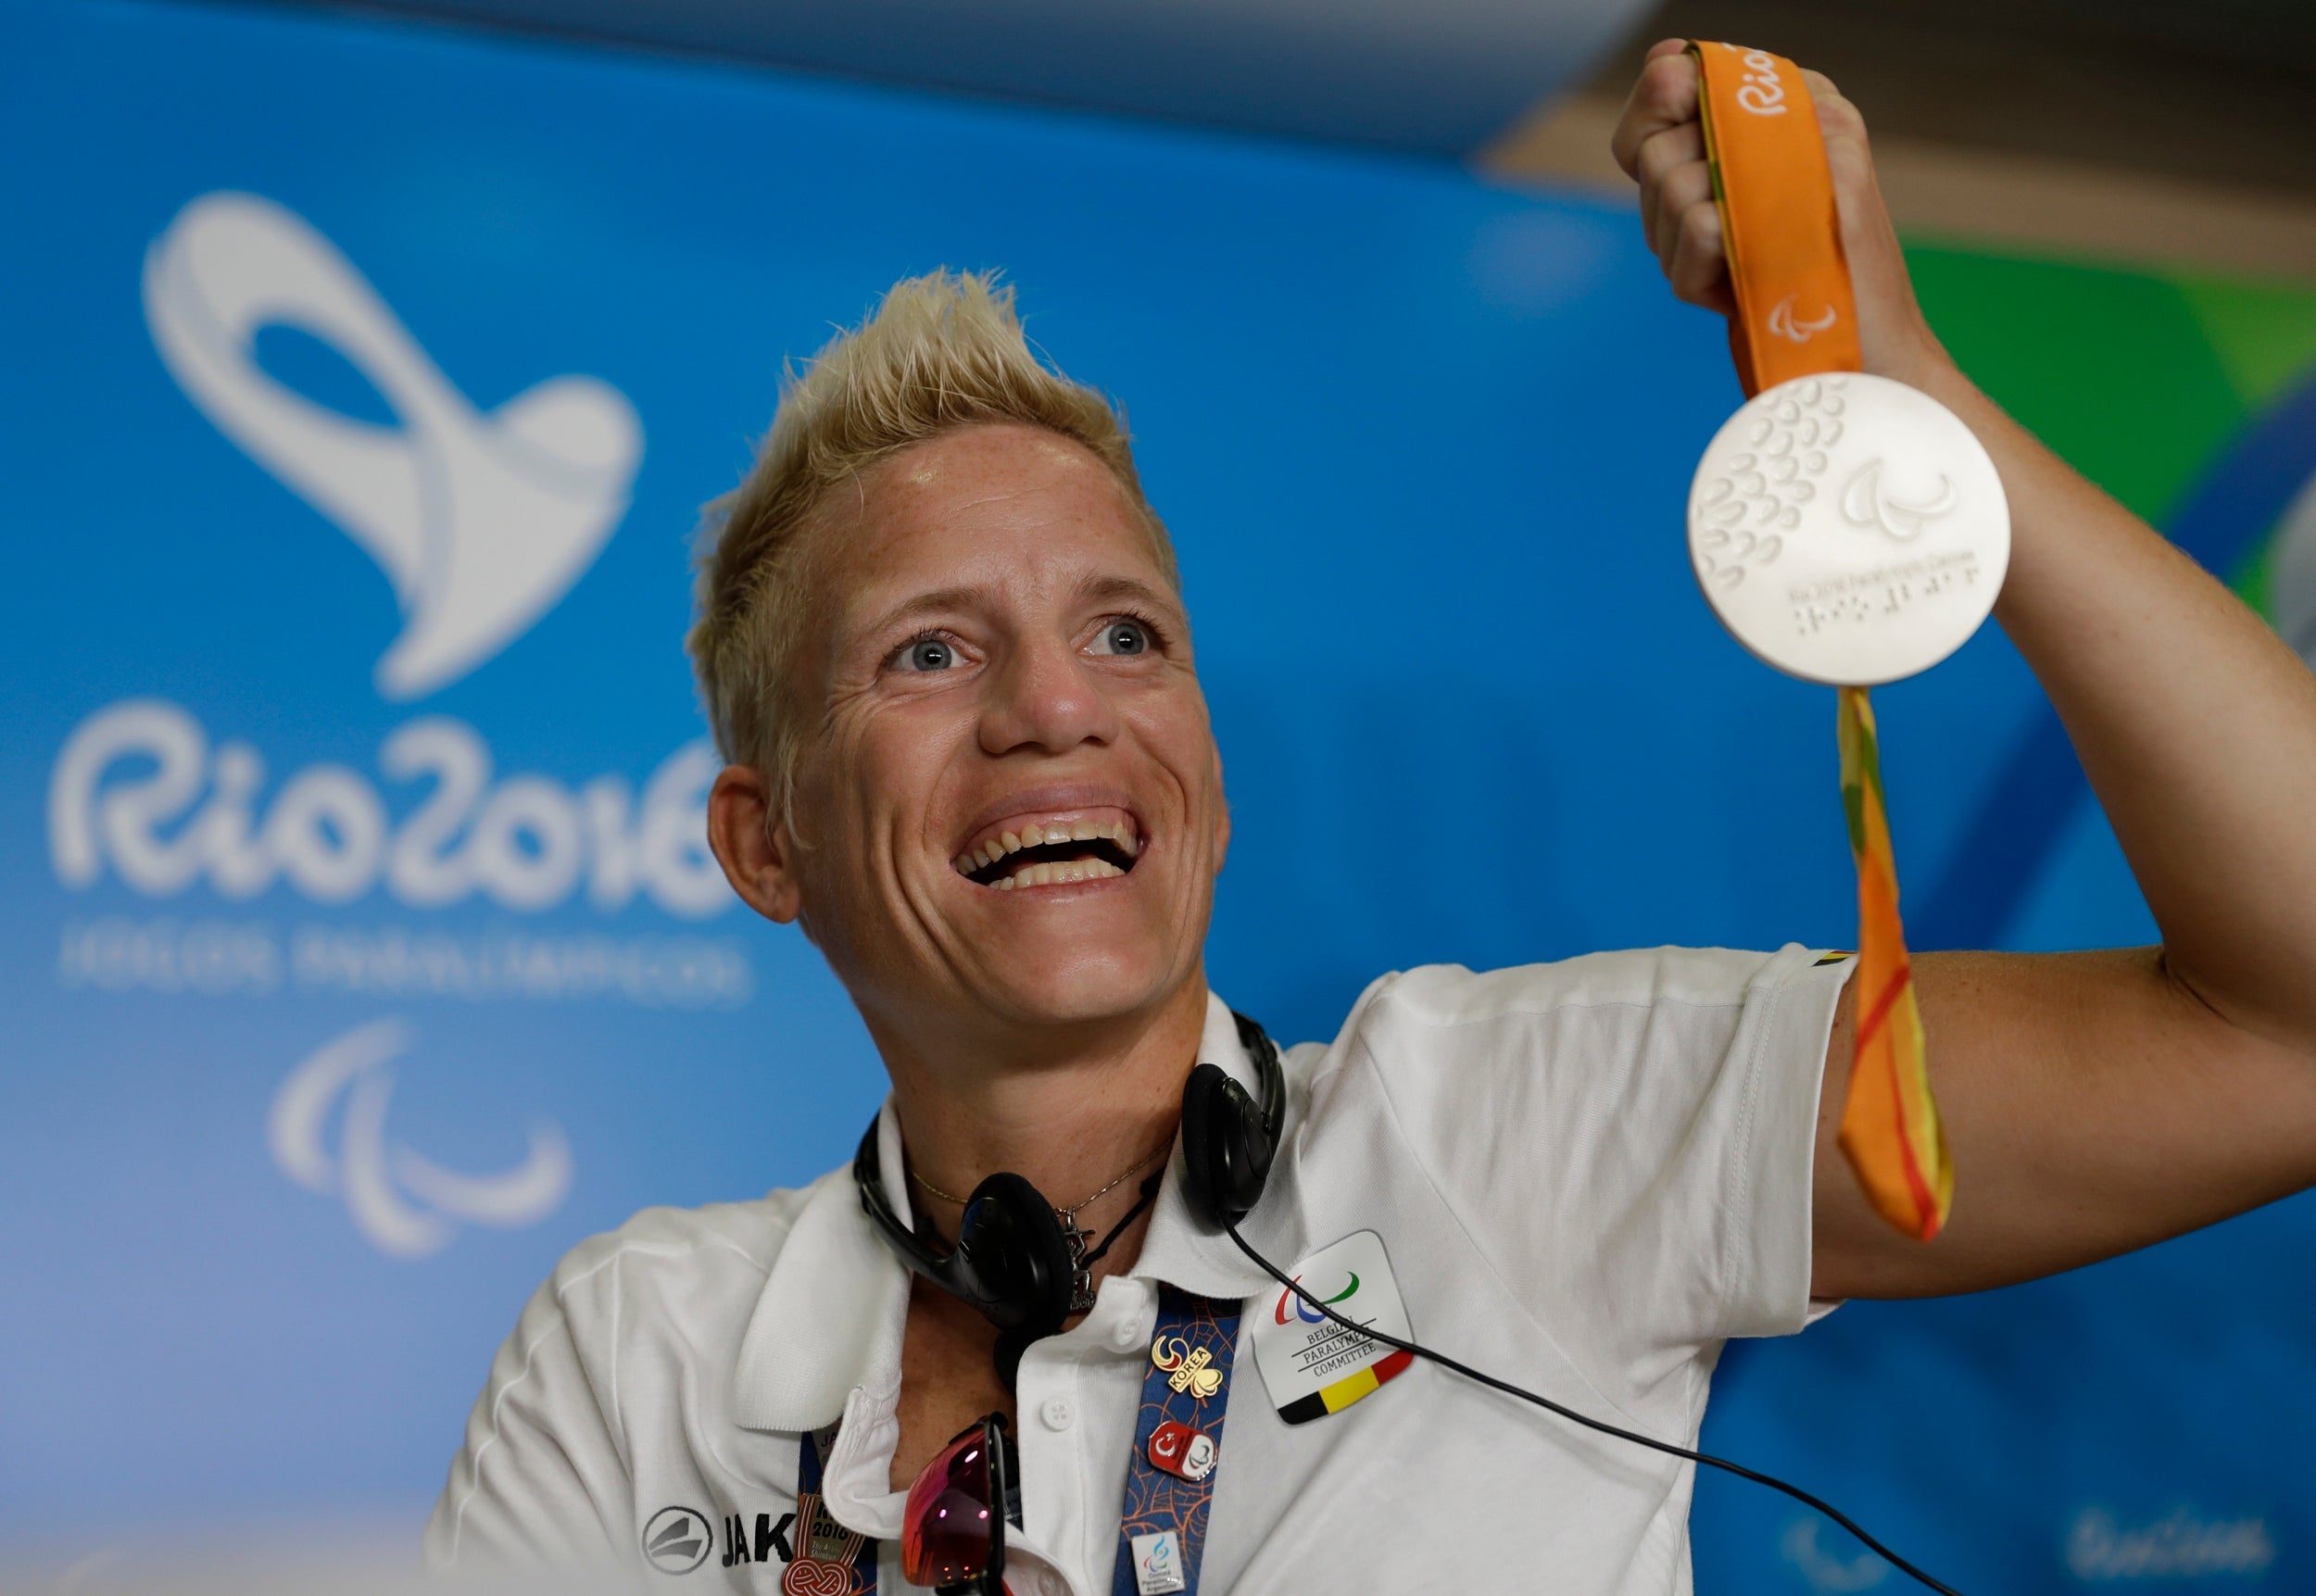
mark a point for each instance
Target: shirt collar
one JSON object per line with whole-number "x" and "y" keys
{"x": 831, "y": 1314}
{"x": 1180, "y": 1250}
{"x": 830, "y": 1317}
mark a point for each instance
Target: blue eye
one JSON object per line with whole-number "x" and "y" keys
{"x": 1124, "y": 637}
{"x": 928, "y": 654}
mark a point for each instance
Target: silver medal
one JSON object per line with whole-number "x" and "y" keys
{"x": 1848, "y": 529}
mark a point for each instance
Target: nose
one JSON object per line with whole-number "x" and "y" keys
{"x": 1045, "y": 699}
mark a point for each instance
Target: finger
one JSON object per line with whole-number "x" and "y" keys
{"x": 1837, "y": 116}
{"x": 1666, "y": 152}
{"x": 1678, "y": 192}
{"x": 1821, "y": 88}
{"x": 1664, "y": 95}
{"x": 1699, "y": 270}
{"x": 1848, "y": 153}
{"x": 1668, "y": 148}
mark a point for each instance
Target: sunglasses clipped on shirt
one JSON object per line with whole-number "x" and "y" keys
{"x": 952, "y": 1531}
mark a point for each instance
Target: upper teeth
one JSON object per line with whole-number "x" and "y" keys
{"x": 1036, "y": 835}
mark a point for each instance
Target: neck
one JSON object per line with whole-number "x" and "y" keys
{"x": 1070, "y": 1118}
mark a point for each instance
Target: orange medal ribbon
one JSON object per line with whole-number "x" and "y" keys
{"x": 1796, "y": 317}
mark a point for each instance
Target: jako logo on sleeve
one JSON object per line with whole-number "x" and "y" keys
{"x": 482, "y": 520}
{"x": 405, "y": 1206}
{"x": 677, "y": 1539}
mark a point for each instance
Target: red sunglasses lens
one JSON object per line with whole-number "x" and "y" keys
{"x": 946, "y": 1528}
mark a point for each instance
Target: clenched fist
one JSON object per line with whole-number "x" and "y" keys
{"x": 1660, "y": 142}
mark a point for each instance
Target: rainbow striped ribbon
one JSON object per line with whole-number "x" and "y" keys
{"x": 1890, "y": 1128}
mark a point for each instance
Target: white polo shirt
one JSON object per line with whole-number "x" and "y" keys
{"x": 1586, "y": 1176}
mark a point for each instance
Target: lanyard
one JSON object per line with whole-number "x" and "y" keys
{"x": 830, "y": 1559}
{"x": 1170, "y": 1479}
{"x": 1796, "y": 318}
{"x": 1177, "y": 1440}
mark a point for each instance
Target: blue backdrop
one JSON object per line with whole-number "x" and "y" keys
{"x": 360, "y": 387}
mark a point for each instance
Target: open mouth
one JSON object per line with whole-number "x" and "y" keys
{"x": 1051, "y": 854}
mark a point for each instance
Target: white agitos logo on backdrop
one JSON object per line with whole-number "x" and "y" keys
{"x": 481, "y": 520}
{"x": 407, "y": 1205}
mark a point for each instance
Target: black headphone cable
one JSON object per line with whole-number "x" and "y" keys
{"x": 1739, "y": 1469}
{"x": 1151, "y": 1183}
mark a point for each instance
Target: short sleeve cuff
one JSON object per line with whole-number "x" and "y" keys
{"x": 1791, "y": 1011}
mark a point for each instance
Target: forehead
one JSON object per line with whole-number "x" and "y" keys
{"x": 989, "y": 505}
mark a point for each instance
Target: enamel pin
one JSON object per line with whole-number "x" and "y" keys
{"x": 1182, "y": 1451}
{"x": 1191, "y": 1367}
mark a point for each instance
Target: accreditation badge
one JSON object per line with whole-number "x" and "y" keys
{"x": 1313, "y": 1366}
{"x": 1848, "y": 529}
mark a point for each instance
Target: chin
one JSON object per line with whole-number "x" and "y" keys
{"x": 1079, "y": 988}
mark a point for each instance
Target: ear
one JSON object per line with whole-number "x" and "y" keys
{"x": 1222, "y": 815}
{"x": 753, "y": 844}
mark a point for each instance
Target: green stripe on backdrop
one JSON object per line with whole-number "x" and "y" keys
{"x": 2111, "y": 369}
{"x": 2138, "y": 379}
{"x": 2263, "y": 332}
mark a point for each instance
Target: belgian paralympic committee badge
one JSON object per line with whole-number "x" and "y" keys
{"x": 1848, "y": 529}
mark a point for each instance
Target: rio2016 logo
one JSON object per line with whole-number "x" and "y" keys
{"x": 481, "y": 520}
{"x": 1293, "y": 1302}
{"x": 1764, "y": 92}
{"x": 140, "y": 786}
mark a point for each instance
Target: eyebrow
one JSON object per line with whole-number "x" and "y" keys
{"x": 1109, "y": 587}
{"x": 1100, "y": 590}
{"x": 931, "y": 603}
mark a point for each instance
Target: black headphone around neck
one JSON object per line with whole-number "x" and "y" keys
{"x": 1016, "y": 1264}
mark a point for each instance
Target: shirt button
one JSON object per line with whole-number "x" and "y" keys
{"x": 1059, "y": 1413}
{"x": 1126, "y": 1337}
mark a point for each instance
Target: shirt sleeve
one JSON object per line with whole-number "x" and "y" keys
{"x": 1629, "y": 1137}
{"x": 540, "y": 1480}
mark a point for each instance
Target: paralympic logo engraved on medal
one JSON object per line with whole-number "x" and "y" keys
{"x": 1865, "y": 503}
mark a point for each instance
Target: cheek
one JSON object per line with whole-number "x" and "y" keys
{"x": 1175, "y": 729}
{"x": 885, "y": 763}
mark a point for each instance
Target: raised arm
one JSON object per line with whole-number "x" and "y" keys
{"x": 2099, "y": 1102}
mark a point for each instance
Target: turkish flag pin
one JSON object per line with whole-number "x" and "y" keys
{"x": 1182, "y": 1451}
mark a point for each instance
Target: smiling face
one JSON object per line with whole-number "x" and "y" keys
{"x": 1011, "y": 792}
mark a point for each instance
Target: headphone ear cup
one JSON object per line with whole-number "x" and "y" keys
{"x": 1225, "y": 1148}
{"x": 1015, "y": 1257}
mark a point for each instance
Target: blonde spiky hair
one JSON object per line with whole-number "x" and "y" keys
{"x": 940, "y": 352}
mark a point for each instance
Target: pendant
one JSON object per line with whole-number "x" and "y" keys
{"x": 1848, "y": 529}
{"x": 1081, "y": 1273}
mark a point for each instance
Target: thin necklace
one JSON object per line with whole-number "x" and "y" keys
{"x": 1081, "y": 1260}
{"x": 1067, "y": 1210}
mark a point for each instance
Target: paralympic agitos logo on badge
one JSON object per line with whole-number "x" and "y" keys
{"x": 1291, "y": 1302}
